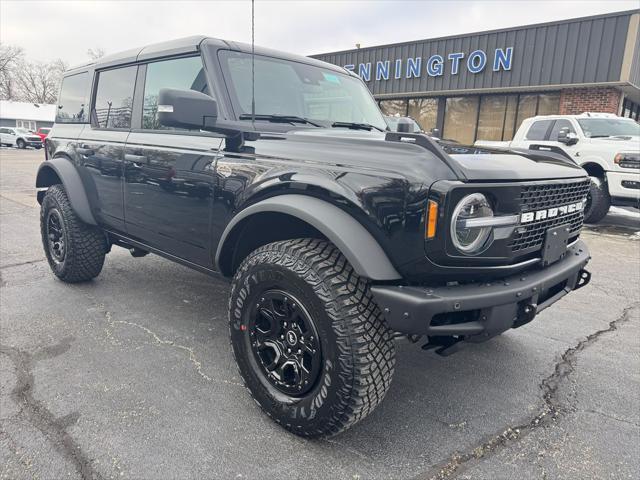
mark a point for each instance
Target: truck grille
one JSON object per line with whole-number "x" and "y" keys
{"x": 538, "y": 197}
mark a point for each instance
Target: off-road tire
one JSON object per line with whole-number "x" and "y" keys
{"x": 21, "y": 144}
{"x": 85, "y": 245}
{"x": 599, "y": 201}
{"x": 358, "y": 350}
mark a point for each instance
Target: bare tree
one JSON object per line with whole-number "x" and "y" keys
{"x": 39, "y": 82}
{"x": 95, "y": 53}
{"x": 10, "y": 57}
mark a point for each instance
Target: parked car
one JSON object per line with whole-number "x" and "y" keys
{"x": 408, "y": 124}
{"x": 19, "y": 137}
{"x": 605, "y": 145}
{"x": 336, "y": 234}
{"x": 42, "y": 133}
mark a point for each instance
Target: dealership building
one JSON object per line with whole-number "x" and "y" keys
{"x": 481, "y": 86}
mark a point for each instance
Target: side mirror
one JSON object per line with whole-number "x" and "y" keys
{"x": 567, "y": 137}
{"x": 186, "y": 109}
{"x": 435, "y": 132}
{"x": 404, "y": 126}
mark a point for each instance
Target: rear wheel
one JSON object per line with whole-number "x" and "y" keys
{"x": 310, "y": 343}
{"x": 21, "y": 143}
{"x": 75, "y": 251}
{"x": 598, "y": 201}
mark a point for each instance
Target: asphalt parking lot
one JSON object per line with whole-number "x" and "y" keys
{"x": 131, "y": 376}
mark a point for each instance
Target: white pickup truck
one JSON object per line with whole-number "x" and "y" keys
{"x": 605, "y": 145}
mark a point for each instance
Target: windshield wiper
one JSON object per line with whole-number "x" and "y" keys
{"x": 356, "y": 126}
{"x": 600, "y": 136}
{"x": 280, "y": 119}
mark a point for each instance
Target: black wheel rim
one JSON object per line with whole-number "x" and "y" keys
{"x": 285, "y": 344}
{"x": 56, "y": 236}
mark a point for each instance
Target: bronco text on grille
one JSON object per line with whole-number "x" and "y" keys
{"x": 548, "y": 198}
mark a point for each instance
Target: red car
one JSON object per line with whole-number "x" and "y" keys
{"x": 42, "y": 133}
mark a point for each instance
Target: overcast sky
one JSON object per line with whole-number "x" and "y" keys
{"x": 51, "y": 29}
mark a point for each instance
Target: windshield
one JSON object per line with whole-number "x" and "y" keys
{"x": 608, "y": 127}
{"x": 45, "y": 130}
{"x": 22, "y": 131}
{"x": 283, "y": 87}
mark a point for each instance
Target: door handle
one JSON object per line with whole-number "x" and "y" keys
{"x": 85, "y": 151}
{"x": 135, "y": 158}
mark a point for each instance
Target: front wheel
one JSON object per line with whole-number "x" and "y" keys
{"x": 75, "y": 251}
{"x": 21, "y": 144}
{"x": 598, "y": 201}
{"x": 310, "y": 343}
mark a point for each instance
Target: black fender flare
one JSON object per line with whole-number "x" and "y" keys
{"x": 360, "y": 248}
{"x": 63, "y": 168}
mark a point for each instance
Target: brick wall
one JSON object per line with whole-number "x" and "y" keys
{"x": 574, "y": 101}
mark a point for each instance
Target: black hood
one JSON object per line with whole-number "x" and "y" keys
{"x": 467, "y": 163}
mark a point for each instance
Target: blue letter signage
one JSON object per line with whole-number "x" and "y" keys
{"x": 476, "y": 62}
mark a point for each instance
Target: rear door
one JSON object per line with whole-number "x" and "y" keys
{"x": 101, "y": 146}
{"x": 169, "y": 173}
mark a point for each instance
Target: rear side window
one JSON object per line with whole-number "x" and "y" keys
{"x": 73, "y": 99}
{"x": 114, "y": 98}
{"x": 538, "y": 131}
{"x": 181, "y": 73}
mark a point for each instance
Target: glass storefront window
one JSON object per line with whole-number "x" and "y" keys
{"x": 548, "y": 104}
{"x": 510, "y": 118}
{"x": 425, "y": 112}
{"x": 394, "y": 107}
{"x": 485, "y": 117}
{"x": 460, "y": 118}
{"x": 491, "y": 118}
{"x": 527, "y": 106}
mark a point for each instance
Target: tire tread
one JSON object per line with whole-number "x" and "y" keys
{"x": 87, "y": 244}
{"x": 365, "y": 343}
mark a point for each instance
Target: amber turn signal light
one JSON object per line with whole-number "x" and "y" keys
{"x": 432, "y": 219}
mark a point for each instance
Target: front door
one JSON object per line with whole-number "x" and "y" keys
{"x": 169, "y": 173}
{"x": 168, "y": 192}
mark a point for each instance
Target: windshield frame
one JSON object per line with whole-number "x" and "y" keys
{"x": 237, "y": 111}
{"x": 604, "y": 121}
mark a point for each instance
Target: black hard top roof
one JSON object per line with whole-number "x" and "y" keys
{"x": 193, "y": 44}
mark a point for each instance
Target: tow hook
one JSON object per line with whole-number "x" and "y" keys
{"x": 584, "y": 277}
{"x": 444, "y": 346}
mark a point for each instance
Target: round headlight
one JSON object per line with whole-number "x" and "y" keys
{"x": 466, "y": 237}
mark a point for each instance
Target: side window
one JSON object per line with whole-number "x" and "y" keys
{"x": 538, "y": 131}
{"x": 114, "y": 98}
{"x": 72, "y": 100}
{"x": 181, "y": 73}
{"x": 560, "y": 124}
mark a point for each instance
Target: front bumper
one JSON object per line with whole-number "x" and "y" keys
{"x": 479, "y": 311}
{"x": 624, "y": 185}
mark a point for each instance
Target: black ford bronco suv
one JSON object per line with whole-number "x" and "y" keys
{"x": 278, "y": 172}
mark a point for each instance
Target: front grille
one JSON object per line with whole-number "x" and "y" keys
{"x": 34, "y": 139}
{"x": 539, "y": 197}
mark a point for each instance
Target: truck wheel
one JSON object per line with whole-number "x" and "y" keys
{"x": 20, "y": 144}
{"x": 309, "y": 341}
{"x": 598, "y": 201}
{"x": 75, "y": 251}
